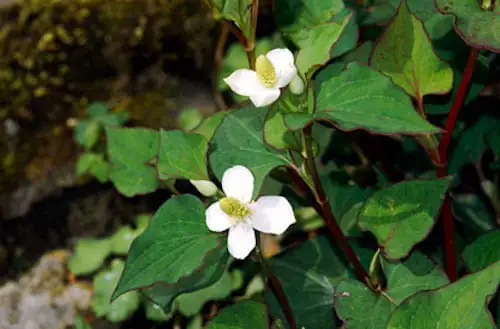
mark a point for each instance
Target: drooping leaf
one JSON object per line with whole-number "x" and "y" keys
{"x": 103, "y": 286}
{"x": 412, "y": 64}
{"x": 239, "y": 140}
{"x": 483, "y": 252}
{"x": 238, "y": 11}
{"x": 175, "y": 254}
{"x": 87, "y": 133}
{"x": 191, "y": 304}
{"x": 480, "y": 28}
{"x": 246, "y": 314}
{"x": 460, "y": 305}
{"x": 362, "y": 308}
{"x": 182, "y": 155}
{"x": 403, "y": 214}
{"x": 89, "y": 255}
{"x": 474, "y": 141}
{"x": 308, "y": 274}
{"x": 360, "y": 97}
{"x": 131, "y": 151}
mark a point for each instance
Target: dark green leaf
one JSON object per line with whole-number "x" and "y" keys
{"x": 362, "y": 98}
{"x": 238, "y": 11}
{"x": 308, "y": 274}
{"x": 474, "y": 214}
{"x": 478, "y": 27}
{"x": 246, "y": 314}
{"x": 436, "y": 24}
{"x": 402, "y": 215}
{"x": 412, "y": 64}
{"x": 182, "y": 155}
{"x": 483, "y": 252}
{"x": 175, "y": 254}
{"x": 461, "y": 305}
{"x": 239, "y": 140}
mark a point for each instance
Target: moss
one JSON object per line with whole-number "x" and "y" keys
{"x": 57, "y": 55}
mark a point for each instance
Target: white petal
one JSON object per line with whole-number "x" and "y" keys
{"x": 283, "y": 63}
{"x": 265, "y": 97}
{"x": 241, "y": 240}
{"x": 237, "y": 182}
{"x": 272, "y": 214}
{"x": 216, "y": 219}
{"x": 244, "y": 82}
{"x": 205, "y": 187}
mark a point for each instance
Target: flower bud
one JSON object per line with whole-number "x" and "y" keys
{"x": 297, "y": 85}
{"x": 205, "y": 187}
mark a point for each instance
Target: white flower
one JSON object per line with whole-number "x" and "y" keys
{"x": 238, "y": 213}
{"x": 273, "y": 71}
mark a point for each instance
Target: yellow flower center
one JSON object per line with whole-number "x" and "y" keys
{"x": 234, "y": 208}
{"x": 265, "y": 71}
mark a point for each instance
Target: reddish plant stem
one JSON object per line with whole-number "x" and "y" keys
{"x": 219, "y": 54}
{"x": 442, "y": 169}
{"x": 322, "y": 206}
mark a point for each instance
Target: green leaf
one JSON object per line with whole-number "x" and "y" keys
{"x": 349, "y": 36}
{"x": 479, "y": 28}
{"x": 377, "y": 11}
{"x": 483, "y": 252}
{"x": 412, "y": 64}
{"x": 474, "y": 141}
{"x": 97, "y": 109}
{"x": 87, "y": 133}
{"x": 246, "y": 314}
{"x": 191, "y": 304}
{"x": 363, "y": 98}
{"x": 189, "y": 119}
{"x": 175, "y": 254}
{"x": 316, "y": 50}
{"x": 239, "y": 140}
{"x": 474, "y": 213}
{"x": 403, "y": 214}
{"x": 182, "y": 155}
{"x": 93, "y": 163}
{"x": 414, "y": 274}
{"x": 238, "y": 11}
{"x": 89, "y": 255}
{"x": 122, "y": 239}
{"x": 277, "y": 134}
{"x": 436, "y": 25}
{"x": 295, "y": 18}
{"x": 361, "y": 308}
{"x": 131, "y": 150}
{"x": 207, "y": 127}
{"x": 104, "y": 284}
{"x": 308, "y": 274}
{"x": 461, "y": 305}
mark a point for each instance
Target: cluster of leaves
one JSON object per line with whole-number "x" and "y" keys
{"x": 395, "y": 80}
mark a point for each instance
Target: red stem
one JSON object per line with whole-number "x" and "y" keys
{"x": 446, "y": 214}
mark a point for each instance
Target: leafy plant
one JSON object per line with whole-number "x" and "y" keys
{"x": 352, "y": 147}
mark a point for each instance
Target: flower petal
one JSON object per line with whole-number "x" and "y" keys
{"x": 265, "y": 97}
{"x": 283, "y": 63}
{"x": 272, "y": 214}
{"x": 216, "y": 219}
{"x": 244, "y": 82}
{"x": 237, "y": 182}
{"x": 241, "y": 240}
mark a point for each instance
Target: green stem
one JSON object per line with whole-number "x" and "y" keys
{"x": 275, "y": 285}
{"x": 322, "y": 206}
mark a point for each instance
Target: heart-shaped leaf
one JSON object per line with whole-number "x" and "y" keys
{"x": 403, "y": 214}
{"x": 483, "y": 252}
{"x": 412, "y": 64}
{"x": 175, "y": 254}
